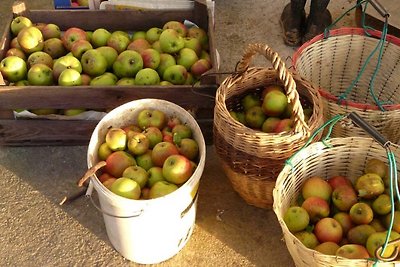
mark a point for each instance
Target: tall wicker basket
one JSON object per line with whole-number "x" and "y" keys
{"x": 333, "y": 62}
{"x": 252, "y": 159}
{"x": 345, "y": 156}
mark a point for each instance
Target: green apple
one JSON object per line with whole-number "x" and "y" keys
{"x": 153, "y": 34}
{"x": 107, "y": 78}
{"x": 127, "y": 64}
{"x": 126, "y": 187}
{"x": 194, "y": 44}
{"x": 126, "y": 81}
{"x": 171, "y": 42}
{"x": 176, "y": 74}
{"x": 250, "y": 100}
{"x": 104, "y": 151}
{"x": 178, "y": 26}
{"x": 40, "y": 57}
{"x": 151, "y": 117}
{"x": 177, "y": 169}
{"x": 189, "y": 148}
{"x": 51, "y": 30}
{"x": 118, "y": 40}
{"x": 138, "y": 144}
{"x": 30, "y": 39}
{"x": 70, "y": 77}
{"x": 190, "y": 80}
{"x": 274, "y": 103}
{"x": 40, "y": 74}
{"x": 116, "y": 139}
{"x": 18, "y": 23}
{"x": 93, "y": 63}
{"x": 151, "y": 58}
{"x": 186, "y": 57}
{"x": 65, "y": 62}
{"x": 73, "y": 111}
{"x": 200, "y": 34}
{"x": 147, "y": 76}
{"x": 155, "y": 175}
{"x": 156, "y": 46}
{"x": 139, "y": 35}
{"x": 79, "y": 47}
{"x": 161, "y": 188}
{"x": 165, "y": 83}
{"x": 100, "y": 37}
{"x": 13, "y": 68}
{"x": 22, "y": 83}
{"x": 54, "y": 47}
{"x": 145, "y": 160}
{"x": 110, "y": 55}
{"x": 83, "y": 2}
{"x": 72, "y": 35}
{"x": 154, "y": 135}
{"x": 138, "y": 174}
{"x": 166, "y": 60}
{"x": 255, "y": 117}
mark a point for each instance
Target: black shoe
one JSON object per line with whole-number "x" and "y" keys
{"x": 317, "y": 25}
{"x": 292, "y": 23}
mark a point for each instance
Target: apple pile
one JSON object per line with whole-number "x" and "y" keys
{"x": 338, "y": 217}
{"x": 41, "y": 54}
{"x": 268, "y": 110}
{"x": 150, "y": 158}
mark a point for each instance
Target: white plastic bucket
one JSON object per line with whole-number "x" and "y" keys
{"x": 147, "y": 231}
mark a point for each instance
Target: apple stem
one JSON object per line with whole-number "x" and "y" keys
{"x": 90, "y": 172}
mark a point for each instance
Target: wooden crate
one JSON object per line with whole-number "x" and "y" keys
{"x": 29, "y": 132}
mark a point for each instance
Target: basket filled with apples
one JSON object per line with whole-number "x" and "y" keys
{"x": 145, "y": 161}
{"x": 261, "y": 117}
{"x": 337, "y": 201}
{"x": 65, "y": 63}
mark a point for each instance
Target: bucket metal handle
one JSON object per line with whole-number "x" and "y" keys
{"x": 89, "y": 195}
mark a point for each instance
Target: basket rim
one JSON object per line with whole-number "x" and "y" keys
{"x": 348, "y": 31}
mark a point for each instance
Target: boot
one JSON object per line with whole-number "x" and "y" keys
{"x": 318, "y": 19}
{"x": 292, "y": 21}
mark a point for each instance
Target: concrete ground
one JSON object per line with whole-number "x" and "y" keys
{"x": 36, "y": 231}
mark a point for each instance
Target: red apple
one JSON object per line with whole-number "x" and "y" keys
{"x": 316, "y": 207}
{"x": 344, "y": 197}
{"x": 162, "y": 151}
{"x": 117, "y": 162}
{"x": 316, "y": 186}
{"x": 328, "y": 229}
{"x": 353, "y": 251}
{"x": 345, "y": 221}
{"x": 72, "y": 35}
{"x": 177, "y": 169}
{"x": 336, "y": 181}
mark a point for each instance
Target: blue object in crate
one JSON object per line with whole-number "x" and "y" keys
{"x": 66, "y": 4}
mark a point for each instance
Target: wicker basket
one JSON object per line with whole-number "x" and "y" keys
{"x": 332, "y": 64}
{"x": 338, "y": 156}
{"x": 252, "y": 159}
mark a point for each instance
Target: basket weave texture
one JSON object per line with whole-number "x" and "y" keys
{"x": 338, "y": 156}
{"x": 250, "y": 158}
{"x": 333, "y": 63}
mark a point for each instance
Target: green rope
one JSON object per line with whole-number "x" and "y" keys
{"x": 379, "y": 46}
{"x": 330, "y": 122}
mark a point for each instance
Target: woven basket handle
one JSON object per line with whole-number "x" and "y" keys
{"x": 284, "y": 75}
